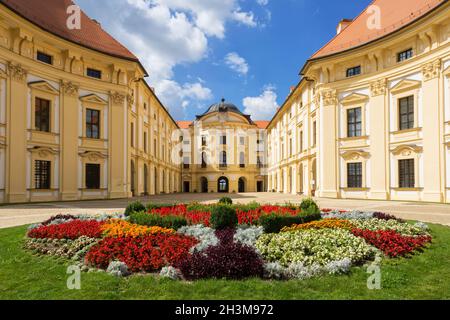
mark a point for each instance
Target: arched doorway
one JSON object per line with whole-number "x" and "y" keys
{"x": 204, "y": 185}
{"x": 241, "y": 185}
{"x": 132, "y": 180}
{"x": 223, "y": 185}
{"x": 145, "y": 179}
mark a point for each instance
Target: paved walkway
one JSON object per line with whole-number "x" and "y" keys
{"x": 16, "y": 215}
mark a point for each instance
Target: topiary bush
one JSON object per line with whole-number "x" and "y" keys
{"x": 273, "y": 223}
{"x": 308, "y": 205}
{"x": 226, "y": 200}
{"x": 223, "y": 217}
{"x": 134, "y": 207}
{"x": 147, "y": 219}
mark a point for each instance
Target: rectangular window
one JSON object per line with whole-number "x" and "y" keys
{"x": 155, "y": 148}
{"x": 314, "y": 133}
{"x": 203, "y": 141}
{"x": 93, "y": 73}
{"x": 223, "y": 140}
{"x": 45, "y": 58}
{"x": 242, "y": 141}
{"x": 132, "y": 134}
{"x": 186, "y": 162}
{"x": 406, "y": 176}
{"x": 354, "y": 175}
{"x": 42, "y": 174}
{"x": 145, "y": 142}
{"x": 406, "y": 113}
{"x": 93, "y": 124}
{"x": 351, "y": 72}
{"x": 290, "y": 147}
{"x": 92, "y": 176}
{"x": 301, "y": 141}
{"x": 42, "y": 115}
{"x": 354, "y": 123}
{"x": 259, "y": 162}
{"x": 405, "y": 55}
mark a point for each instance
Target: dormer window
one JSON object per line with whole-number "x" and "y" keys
{"x": 93, "y": 73}
{"x": 405, "y": 55}
{"x": 354, "y": 71}
{"x": 45, "y": 58}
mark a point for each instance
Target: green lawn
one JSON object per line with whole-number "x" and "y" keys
{"x": 24, "y": 276}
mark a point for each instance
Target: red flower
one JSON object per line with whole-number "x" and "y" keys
{"x": 392, "y": 243}
{"x": 69, "y": 230}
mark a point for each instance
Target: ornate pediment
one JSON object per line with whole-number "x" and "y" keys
{"x": 355, "y": 155}
{"x": 405, "y": 85}
{"x": 43, "y": 152}
{"x": 355, "y": 98}
{"x": 43, "y": 86}
{"x": 407, "y": 150}
{"x": 93, "y": 98}
{"x": 93, "y": 155}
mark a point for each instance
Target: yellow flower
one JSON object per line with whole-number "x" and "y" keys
{"x": 122, "y": 228}
{"x": 321, "y": 224}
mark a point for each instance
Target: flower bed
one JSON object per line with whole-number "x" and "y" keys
{"x": 271, "y": 241}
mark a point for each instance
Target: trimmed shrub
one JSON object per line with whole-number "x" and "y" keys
{"x": 151, "y": 220}
{"x": 134, "y": 207}
{"x": 223, "y": 217}
{"x": 273, "y": 223}
{"x": 151, "y": 206}
{"x": 226, "y": 200}
{"x": 308, "y": 205}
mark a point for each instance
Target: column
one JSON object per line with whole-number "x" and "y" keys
{"x": 379, "y": 127}
{"x": 432, "y": 140}
{"x": 327, "y": 159}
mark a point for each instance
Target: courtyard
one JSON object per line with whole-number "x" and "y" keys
{"x": 21, "y": 214}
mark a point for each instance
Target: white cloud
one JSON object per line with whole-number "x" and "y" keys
{"x": 237, "y": 63}
{"x": 167, "y": 33}
{"x": 262, "y": 2}
{"x": 246, "y": 18}
{"x": 262, "y": 107}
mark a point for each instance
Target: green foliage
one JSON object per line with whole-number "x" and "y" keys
{"x": 195, "y": 206}
{"x": 226, "y": 200}
{"x": 247, "y": 207}
{"x": 273, "y": 223}
{"x": 152, "y": 206}
{"x": 310, "y": 206}
{"x": 146, "y": 219}
{"x": 223, "y": 216}
{"x": 134, "y": 207}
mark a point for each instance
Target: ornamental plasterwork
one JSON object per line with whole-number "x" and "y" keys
{"x": 17, "y": 72}
{"x": 130, "y": 99}
{"x": 378, "y": 88}
{"x": 355, "y": 155}
{"x": 407, "y": 150}
{"x": 117, "y": 98}
{"x": 431, "y": 70}
{"x": 329, "y": 97}
{"x": 70, "y": 88}
{"x": 93, "y": 156}
{"x": 43, "y": 152}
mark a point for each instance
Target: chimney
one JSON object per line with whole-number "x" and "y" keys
{"x": 343, "y": 24}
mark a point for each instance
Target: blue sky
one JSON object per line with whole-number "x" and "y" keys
{"x": 246, "y": 51}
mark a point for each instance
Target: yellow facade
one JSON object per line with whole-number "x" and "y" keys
{"x": 224, "y": 151}
{"x": 124, "y": 160}
{"x": 383, "y": 134}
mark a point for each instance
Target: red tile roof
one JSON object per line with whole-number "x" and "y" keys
{"x": 395, "y": 14}
{"x": 262, "y": 124}
{"x": 51, "y": 16}
{"x": 184, "y": 124}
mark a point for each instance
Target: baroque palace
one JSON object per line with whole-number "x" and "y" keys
{"x": 369, "y": 119}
